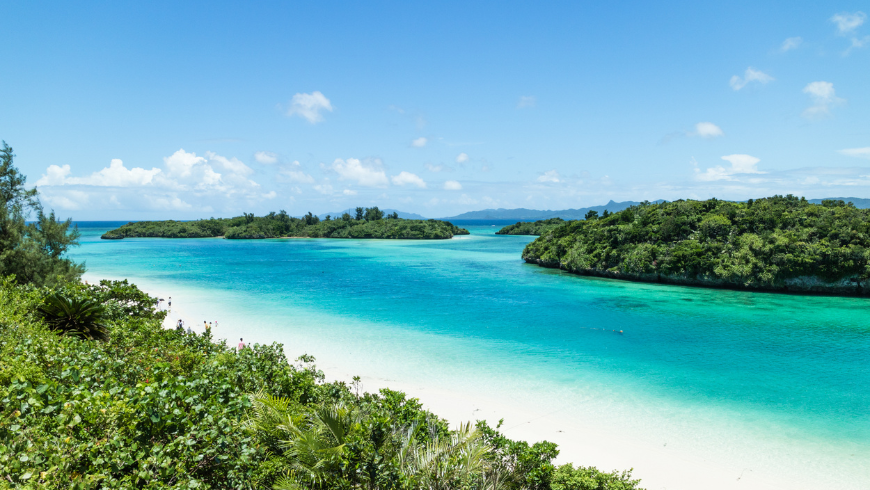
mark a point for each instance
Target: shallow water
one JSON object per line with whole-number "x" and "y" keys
{"x": 777, "y": 380}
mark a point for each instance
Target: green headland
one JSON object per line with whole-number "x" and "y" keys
{"x": 776, "y": 244}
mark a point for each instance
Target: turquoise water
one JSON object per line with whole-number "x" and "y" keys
{"x": 779, "y": 381}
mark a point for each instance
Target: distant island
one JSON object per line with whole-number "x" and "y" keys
{"x": 523, "y": 214}
{"x": 535, "y": 214}
{"x": 365, "y": 223}
{"x": 775, "y": 244}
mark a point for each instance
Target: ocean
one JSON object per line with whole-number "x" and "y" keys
{"x": 768, "y": 390}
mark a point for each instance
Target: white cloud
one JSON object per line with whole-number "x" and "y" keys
{"x": 550, "y": 176}
{"x": 407, "y": 178}
{"x": 452, "y": 185}
{"x": 233, "y": 165}
{"x": 348, "y": 192}
{"x": 751, "y": 75}
{"x": 462, "y": 158}
{"x": 740, "y": 164}
{"x": 54, "y": 175}
{"x": 419, "y": 142}
{"x": 527, "y": 101}
{"x": 266, "y": 157}
{"x": 790, "y": 43}
{"x": 309, "y": 106}
{"x": 846, "y": 22}
{"x": 270, "y": 195}
{"x": 297, "y": 176}
{"x": 438, "y": 168}
{"x": 115, "y": 175}
{"x": 707, "y": 130}
{"x": 824, "y": 97}
{"x": 323, "y": 188}
{"x": 857, "y": 152}
{"x": 368, "y": 174}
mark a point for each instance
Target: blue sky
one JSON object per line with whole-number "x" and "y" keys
{"x": 127, "y": 111}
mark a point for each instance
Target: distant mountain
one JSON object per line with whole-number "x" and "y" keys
{"x": 520, "y": 214}
{"x": 352, "y": 211}
{"x": 859, "y": 203}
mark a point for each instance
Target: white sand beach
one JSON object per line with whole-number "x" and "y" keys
{"x": 660, "y": 465}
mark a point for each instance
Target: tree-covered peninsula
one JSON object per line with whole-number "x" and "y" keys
{"x": 531, "y": 227}
{"x": 367, "y": 223}
{"x": 777, "y": 243}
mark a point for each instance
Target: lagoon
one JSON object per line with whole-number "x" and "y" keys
{"x": 702, "y": 389}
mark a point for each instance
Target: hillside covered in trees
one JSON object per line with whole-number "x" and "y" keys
{"x": 366, "y": 223}
{"x": 777, "y": 243}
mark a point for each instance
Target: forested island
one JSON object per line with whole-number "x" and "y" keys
{"x": 776, "y": 243}
{"x": 366, "y": 223}
{"x": 95, "y": 393}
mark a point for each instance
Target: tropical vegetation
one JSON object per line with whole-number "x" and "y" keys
{"x": 531, "y": 227}
{"x": 366, "y": 223}
{"x": 776, "y": 243}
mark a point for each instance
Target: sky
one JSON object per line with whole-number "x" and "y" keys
{"x": 184, "y": 110}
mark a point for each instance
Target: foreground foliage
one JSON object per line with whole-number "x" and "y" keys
{"x": 773, "y": 243}
{"x": 531, "y": 227}
{"x": 368, "y": 223}
{"x": 155, "y": 408}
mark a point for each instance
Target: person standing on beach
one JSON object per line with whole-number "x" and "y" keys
{"x": 241, "y": 344}
{"x": 205, "y": 324}
{"x": 169, "y": 303}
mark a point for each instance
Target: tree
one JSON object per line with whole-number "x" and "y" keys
{"x": 590, "y": 215}
{"x": 605, "y": 214}
{"x": 359, "y": 214}
{"x": 33, "y": 253}
{"x": 346, "y": 217}
{"x": 373, "y": 214}
{"x": 310, "y": 219}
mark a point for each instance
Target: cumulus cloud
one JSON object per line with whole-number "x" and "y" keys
{"x": 115, "y": 175}
{"x": 266, "y": 157}
{"x": 706, "y": 130}
{"x": 790, "y": 43}
{"x": 550, "y": 176}
{"x": 419, "y": 142}
{"x": 823, "y": 96}
{"x": 366, "y": 174}
{"x": 349, "y": 192}
{"x": 183, "y": 176}
{"x": 751, "y": 75}
{"x": 740, "y": 164}
{"x": 527, "y": 101}
{"x": 297, "y": 176}
{"x": 309, "y": 106}
{"x": 847, "y": 23}
{"x": 323, "y": 188}
{"x": 452, "y": 185}
{"x": 407, "y": 178}
{"x": 857, "y": 152}
{"x": 462, "y": 158}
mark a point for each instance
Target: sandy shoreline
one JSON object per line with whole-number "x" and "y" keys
{"x": 659, "y": 464}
